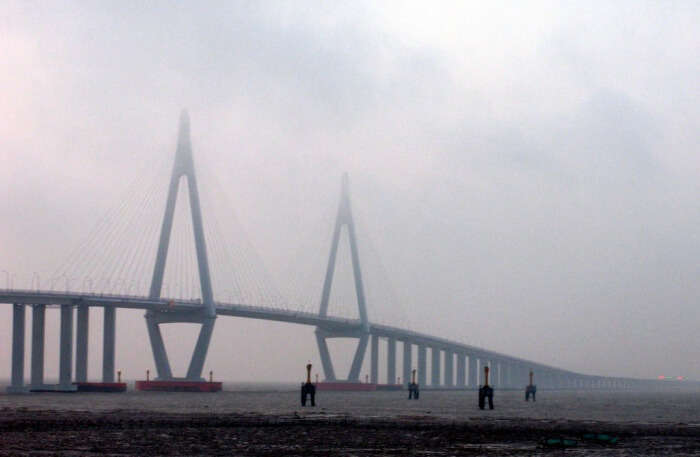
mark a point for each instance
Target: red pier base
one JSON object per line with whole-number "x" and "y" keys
{"x": 390, "y": 387}
{"x": 178, "y": 386}
{"x": 346, "y": 386}
{"x": 100, "y": 386}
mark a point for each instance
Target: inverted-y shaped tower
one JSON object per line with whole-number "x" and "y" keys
{"x": 344, "y": 218}
{"x": 183, "y": 167}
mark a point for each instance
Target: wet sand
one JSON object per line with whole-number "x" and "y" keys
{"x": 361, "y": 424}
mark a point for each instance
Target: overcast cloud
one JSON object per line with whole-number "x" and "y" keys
{"x": 526, "y": 174}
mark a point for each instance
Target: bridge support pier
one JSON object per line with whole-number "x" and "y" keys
{"x": 503, "y": 368}
{"x": 407, "y": 360}
{"x": 326, "y": 362}
{"x": 422, "y": 365}
{"x": 38, "y": 326}
{"x": 449, "y": 368}
{"x": 81, "y": 343}
{"x": 206, "y": 315}
{"x": 18, "y": 323}
{"x": 66, "y": 347}
{"x": 435, "y": 368}
{"x": 472, "y": 372}
{"x": 200, "y": 350}
{"x": 460, "y": 371}
{"x": 159, "y": 355}
{"x": 391, "y": 361}
{"x": 374, "y": 355}
{"x": 344, "y": 218}
{"x": 108, "y": 342}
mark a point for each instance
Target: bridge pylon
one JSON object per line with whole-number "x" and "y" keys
{"x": 182, "y": 167}
{"x": 343, "y": 219}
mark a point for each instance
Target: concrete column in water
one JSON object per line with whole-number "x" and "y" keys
{"x": 391, "y": 361}
{"x": 66, "y": 349}
{"x": 18, "y": 322}
{"x": 495, "y": 373}
{"x": 472, "y": 371}
{"x": 460, "y": 370}
{"x": 406, "y": 363}
{"x": 435, "y": 360}
{"x": 449, "y": 368}
{"x": 38, "y": 325}
{"x": 506, "y": 374}
{"x": 374, "y": 356}
{"x": 81, "y": 343}
{"x": 108, "y": 341}
{"x": 422, "y": 366}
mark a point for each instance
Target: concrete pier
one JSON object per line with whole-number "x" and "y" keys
{"x": 407, "y": 358}
{"x": 374, "y": 358}
{"x": 449, "y": 369}
{"x": 18, "y": 323}
{"x": 108, "y": 341}
{"x": 435, "y": 368}
{"x": 473, "y": 378}
{"x": 391, "y": 361}
{"x": 38, "y": 326}
{"x": 508, "y": 375}
{"x": 422, "y": 365}
{"x": 81, "y": 344}
{"x": 66, "y": 350}
{"x": 461, "y": 372}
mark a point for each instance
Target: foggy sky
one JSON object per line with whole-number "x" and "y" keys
{"x": 527, "y": 173}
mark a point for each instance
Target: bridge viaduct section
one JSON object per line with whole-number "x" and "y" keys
{"x": 66, "y": 377}
{"x": 512, "y": 371}
{"x": 453, "y": 365}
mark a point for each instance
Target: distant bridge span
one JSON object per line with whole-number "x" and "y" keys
{"x": 513, "y": 369}
{"x": 453, "y": 364}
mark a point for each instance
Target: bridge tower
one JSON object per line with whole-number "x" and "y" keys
{"x": 344, "y": 219}
{"x": 183, "y": 167}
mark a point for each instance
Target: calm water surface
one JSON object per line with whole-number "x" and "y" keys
{"x": 679, "y": 406}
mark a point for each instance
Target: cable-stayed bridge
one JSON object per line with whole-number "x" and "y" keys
{"x": 453, "y": 364}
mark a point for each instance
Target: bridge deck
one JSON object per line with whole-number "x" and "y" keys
{"x": 337, "y": 324}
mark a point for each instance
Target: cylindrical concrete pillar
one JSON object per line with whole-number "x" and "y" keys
{"x": 374, "y": 356}
{"x": 505, "y": 374}
{"x": 461, "y": 378}
{"x": 38, "y": 326}
{"x": 435, "y": 368}
{"x": 473, "y": 375}
{"x": 495, "y": 373}
{"x": 18, "y": 323}
{"x": 81, "y": 343}
{"x": 407, "y": 358}
{"x": 391, "y": 361}
{"x": 449, "y": 380}
{"x": 108, "y": 342}
{"x": 422, "y": 365}
{"x": 511, "y": 376}
{"x": 66, "y": 343}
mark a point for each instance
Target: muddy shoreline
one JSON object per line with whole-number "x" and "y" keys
{"x": 123, "y": 432}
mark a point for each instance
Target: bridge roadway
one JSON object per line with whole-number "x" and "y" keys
{"x": 508, "y": 371}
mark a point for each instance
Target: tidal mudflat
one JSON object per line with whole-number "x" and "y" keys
{"x": 270, "y": 422}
